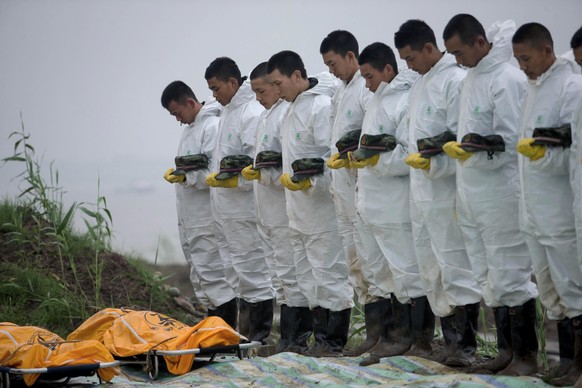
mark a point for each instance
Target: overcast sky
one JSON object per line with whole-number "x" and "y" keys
{"x": 87, "y": 76}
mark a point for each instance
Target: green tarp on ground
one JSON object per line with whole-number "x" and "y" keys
{"x": 292, "y": 370}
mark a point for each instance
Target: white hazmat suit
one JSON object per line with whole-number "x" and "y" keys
{"x": 487, "y": 185}
{"x": 195, "y": 221}
{"x": 272, "y": 217}
{"x": 576, "y": 176}
{"x": 443, "y": 263}
{"x": 322, "y": 269}
{"x": 383, "y": 197}
{"x": 349, "y": 108}
{"x": 546, "y": 215}
{"x": 235, "y": 207}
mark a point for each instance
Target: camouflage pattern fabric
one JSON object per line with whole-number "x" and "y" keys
{"x": 231, "y": 165}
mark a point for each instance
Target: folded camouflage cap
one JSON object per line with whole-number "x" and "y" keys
{"x": 371, "y": 145}
{"x": 348, "y": 142}
{"x": 266, "y": 159}
{"x": 186, "y": 163}
{"x": 432, "y": 146}
{"x": 474, "y": 142}
{"x": 561, "y": 136}
{"x": 306, "y": 168}
{"x": 231, "y": 165}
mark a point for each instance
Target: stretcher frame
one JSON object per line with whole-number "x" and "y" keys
{"x": 55, "y": 373}
{"x": 152, "y": 363}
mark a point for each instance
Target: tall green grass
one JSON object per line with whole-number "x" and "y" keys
{"x": 35, "y": 227}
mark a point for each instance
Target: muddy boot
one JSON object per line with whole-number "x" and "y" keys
{"x": 320, "y": 323}
{"x": 524, "y": 340}
{"x": 423, "y": 323}
{"x": 575, "y": 373}
{"x": 261, "y": 319}
{"x": 338, "y": 325}
{"x": 466, "y": 323}
{"x": 504, "y": 349}
{"x": 450, "y": 336}
{"x": 566, "y": 340}
{"x": 301, "y": 328}
{"x": 227, "y": 311}
{"x": 388, "y": 333}
{"x": 287, "y": 320}
{"x": 373, "y": 315}
{"x": 400, "y": 338}
{"x": 244, "y": 318}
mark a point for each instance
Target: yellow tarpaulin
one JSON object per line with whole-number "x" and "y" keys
{"x": 28, "y": 347}
{"x": 127, "y": 333}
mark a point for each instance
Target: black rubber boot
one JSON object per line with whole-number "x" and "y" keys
{"x": 466, "y": 324}
{"x": 574, "y": 375}
{"x": 244, "y": 318}
{"x": 288, "y": 321}
{"x": 301, "y": 330}
{"x": 227, "y": 311}
{"x": 423, "y": 323}
{"x": 504, "y": 348}
{"x": 320, "y": 324}
{"x": 338, "y": 326}
{"x": 566, "y": 340}
{"x": 524, "y": 340}
{"x": 261, "y": 319}
{"x": 374, "y": 319}
{"x": 395, "y": 326}
{"x": 448, "y": 328}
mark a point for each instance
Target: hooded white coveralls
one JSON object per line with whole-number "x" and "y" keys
{"x": 195, "y": 222}
{"x": 442, "y": 259}
{"x": 546, "y": 215}
{"x": 576, "y": 176}
{"x": 487, "y": 186}
{"x": 235, "y": 207}
{"x": 383, "y": 197}
{"x": 322, "y": 269}
{"x": 349, "y": 107}
{"x": 272, "y": 217}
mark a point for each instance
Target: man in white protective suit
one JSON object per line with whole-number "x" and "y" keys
{"x": 195, "y": 221}
{"x": 576, "y": 181}
{"x": 296, "y": 323}
{"x": 233, "y": 199}
{"x": 322, "y": 269}
{"x": 445, "y": 270}
{"x": 340, "y": 51}
{"x": 383, "y": 203}
{"x": 546, "y": 196}
{"x": 487, "y": 182}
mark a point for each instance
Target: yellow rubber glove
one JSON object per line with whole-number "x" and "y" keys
{"x": 173, "y": 178}
{"x": 417, "y": 161}
{"x": 227, "y": 183}
{"x": 249, "y": 174}
{"x": 334, "y": 162}
{"x": 453, "y": 150}
{"x": 354, "y": 163}
{"x": 289, "y": 184}
{"x": 534, "y": 152}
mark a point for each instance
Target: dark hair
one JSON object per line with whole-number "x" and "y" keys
{"x": 177, "y": 91}
{"x": 286, "y": 62}
{"x": 222, "y": 69}
{"x": 466, "y": 26}
{"x": 340, "y": 42}
{"x": 378, "y": 55}
{"x": 576, "y": 39}
{"x": 259, "y": 71}
{"x": 414, "y": 33}
{"x": 534, "y": 34}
